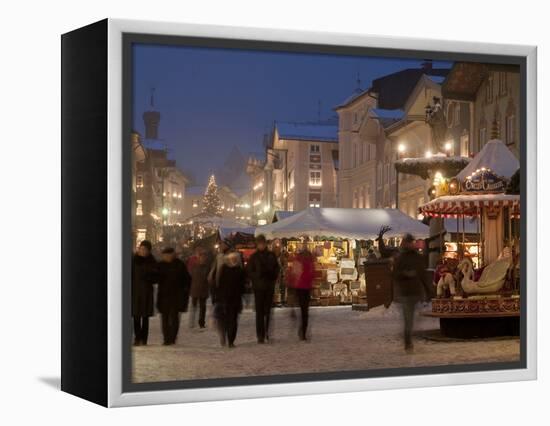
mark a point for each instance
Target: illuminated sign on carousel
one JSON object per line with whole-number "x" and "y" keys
{"x": 484, "y": 180}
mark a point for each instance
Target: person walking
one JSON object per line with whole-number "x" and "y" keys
{"x": 229, "y": 295}
{"x": 199, "y": 288}
{"x": 214, "y": 275}
{"x": 173, "y": 293}
{"x": 263, "y": 270}
{"x": 301, "y": 280}
{"x": 409, "y": 284}
{"x": 144, "y": 275}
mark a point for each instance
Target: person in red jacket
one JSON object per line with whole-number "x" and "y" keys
{"x": 301, "y": 280}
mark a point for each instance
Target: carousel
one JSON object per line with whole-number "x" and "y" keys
{"x": 478, "y": 292}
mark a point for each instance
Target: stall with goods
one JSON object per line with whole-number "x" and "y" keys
{"x": 340, "y": 240}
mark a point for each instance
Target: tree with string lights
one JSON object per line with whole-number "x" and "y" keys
{"x": 211, "y": 203}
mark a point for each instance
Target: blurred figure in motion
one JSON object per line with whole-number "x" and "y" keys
{"x": 301, "y": 280}
{"x": 144, "y": 275}
{"x": 214, "y": 275}
{"x": 263, "y": 270}
{"x": 199, "y": 288}
{"x": 229, "y": 295}
{"x": 410, "y": 284}
{"x": 173, "y": 293}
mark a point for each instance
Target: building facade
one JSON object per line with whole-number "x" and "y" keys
{"x": 302, "y": 165}
{"x": 490, "y": 93}
{"x": 372, "y": 124}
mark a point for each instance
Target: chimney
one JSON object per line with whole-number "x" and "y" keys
{"x": 151, "y": 119}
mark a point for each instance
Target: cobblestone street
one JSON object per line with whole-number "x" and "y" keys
{"x": 341, "y": 339}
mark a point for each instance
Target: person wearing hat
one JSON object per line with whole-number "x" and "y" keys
{"x": 263, "y": 270}
{"x": 173, "y": 293}
{"x": 144, "y": 275}
{"x": 410, "y": 285}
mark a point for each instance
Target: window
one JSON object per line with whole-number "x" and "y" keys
{"x": 139, "y": 208}
{"x": 489, "y": 90}
{"x": 291, "y": 179}
{"x": 354, "y": 159}
{"x": 502, "y": 84}
{"x": 314, "y": 178}
{"x": 456, "y": 114}
{"x": 314, "y": 199}
{"x": 314, "y": 148}
{"x": 482, "y": 137}
{"x": 365, "y": 152}
{"x": 464, "y": 145}
{"x": 510, "y": 129}
{"x": 367, "y": 197}
{"x": 139, "y": 181}
{"x": 387, "y": 173}
{"x": 379, "y": 175}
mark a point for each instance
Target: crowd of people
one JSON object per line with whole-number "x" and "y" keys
{"x": 187, "y": 286}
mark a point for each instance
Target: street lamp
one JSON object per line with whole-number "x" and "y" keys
{"x": 448, "y": 147}
{"x": 401, "y": 148}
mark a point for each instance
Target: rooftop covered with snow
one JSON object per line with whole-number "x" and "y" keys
{"x": 360, "y": 224}
{"x": 321, "y": 132}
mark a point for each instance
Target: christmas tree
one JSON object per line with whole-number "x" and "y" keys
{"x": 211, "y": 203}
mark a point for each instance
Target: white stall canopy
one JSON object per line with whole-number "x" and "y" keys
{"x": 359, "y": 224}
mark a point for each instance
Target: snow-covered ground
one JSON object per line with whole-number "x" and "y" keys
{"x": 341, "y": 339}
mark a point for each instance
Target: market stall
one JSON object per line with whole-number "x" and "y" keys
{"x": 339, "y": 239}
{"x": 479, "y": 295}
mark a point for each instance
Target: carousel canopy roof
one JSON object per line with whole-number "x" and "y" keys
{"x": 360, "y": 224}
{"x": 468, "y": 204}
{"x": 496, "y": 156}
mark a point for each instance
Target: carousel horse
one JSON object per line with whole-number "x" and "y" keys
{"x": 447, "y": 281}
{"x": 491, "y": 280}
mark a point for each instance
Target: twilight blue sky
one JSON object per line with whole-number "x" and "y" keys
{"x": 213, "y": 99}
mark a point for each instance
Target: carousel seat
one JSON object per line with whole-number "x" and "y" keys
{"x": 492, "y": 279}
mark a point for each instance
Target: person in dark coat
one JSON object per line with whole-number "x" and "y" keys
{"x": 144, "y": 275}
{"x": 229, "y": 295}
{"x": 410, "y": 284}
{"x": 173, "y": 293}
{"x": 263, "y": 270}
{"x": 200, "y": 288}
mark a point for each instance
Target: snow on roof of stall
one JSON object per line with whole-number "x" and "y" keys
{"x": 361, "y": 224}
{"x": 322, "y": 132}
{"x": 496, "y": 156}
{"x": 282, "y": 214}
{"x": 222, "y": 222}
{"x": 226, "y": 232}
